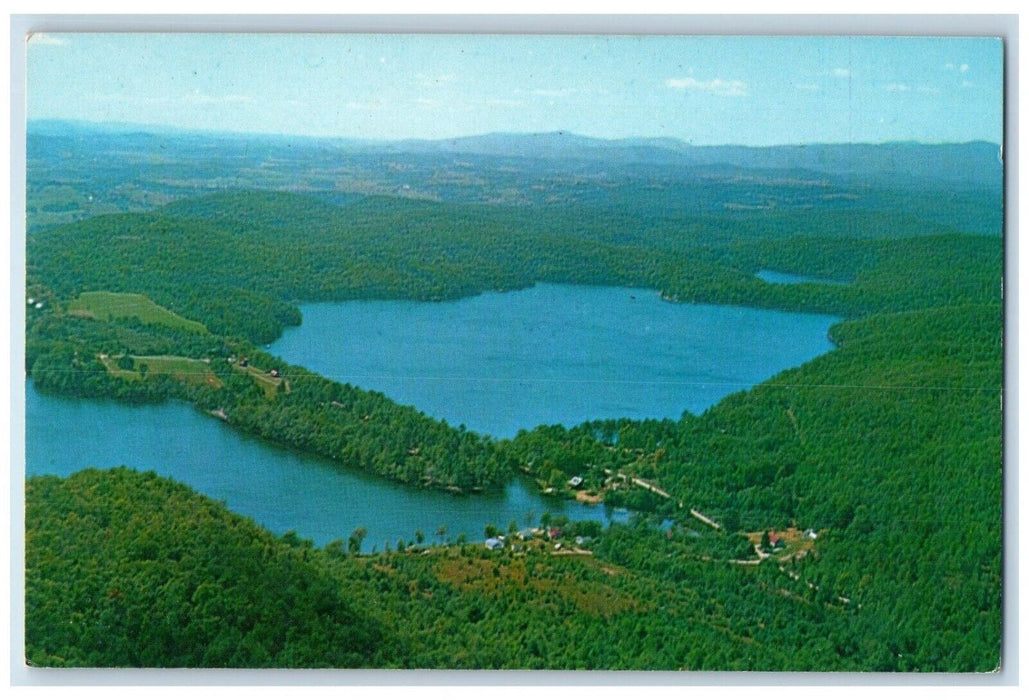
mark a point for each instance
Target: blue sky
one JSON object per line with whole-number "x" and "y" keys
{"x": 703, "y": 90}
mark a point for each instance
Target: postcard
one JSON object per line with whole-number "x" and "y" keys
{"x": 514, "y": 351}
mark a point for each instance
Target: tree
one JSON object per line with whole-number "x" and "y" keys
{"x": 356, "y": 538}
{"x": 731, "y": 520}
{"x": 335, "y": 549}
{"x": 557, "y": 478}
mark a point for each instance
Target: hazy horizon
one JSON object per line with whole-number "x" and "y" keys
{"x": 701, "y": 90}
{"x": 158, "y": 129}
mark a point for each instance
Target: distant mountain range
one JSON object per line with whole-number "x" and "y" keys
{"x": 976, "y": 162}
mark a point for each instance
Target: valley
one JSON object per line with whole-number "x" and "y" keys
{"x": 160, "y": 286}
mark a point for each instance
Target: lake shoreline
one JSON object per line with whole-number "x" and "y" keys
{"x": 445, "y": 373}
{"x": 276, "y": 485}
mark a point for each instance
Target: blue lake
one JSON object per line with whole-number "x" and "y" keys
{"x": 503, "y": 361}
{"x": 280, "y": 489}
{"x": 497, "y": 362}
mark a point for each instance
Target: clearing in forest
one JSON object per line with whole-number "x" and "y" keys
{"x": 183, "y": 369}
{"x": 106, "y": 306}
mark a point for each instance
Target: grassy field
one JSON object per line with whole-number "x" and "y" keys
{"x": 111, "y": 305}
{"x": 189, "y": 370}
{"x": 112, "y": 367}
{"x": 181, "y": 368}
{"x": 268, "y": 383}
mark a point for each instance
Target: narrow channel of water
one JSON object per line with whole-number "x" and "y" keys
{"x": 280, "y": 489}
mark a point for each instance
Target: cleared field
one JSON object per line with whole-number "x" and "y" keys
{"x": 183, "y": 369}
{"x": 112, "y": 368}
{"x": 268, "y": 383}
{"x": 111, "y": 305}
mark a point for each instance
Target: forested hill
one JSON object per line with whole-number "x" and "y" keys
{"x": 238, "y": 261}
{"x": 890, "y": 448}
{"x": 131, "y": 570}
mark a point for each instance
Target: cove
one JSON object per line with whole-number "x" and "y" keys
{"x": 775, "y": 277}
{"x": 553, "y": 353}
{"x": 280, "y": 489}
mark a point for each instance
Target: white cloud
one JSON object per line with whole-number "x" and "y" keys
{"x": 898, "y": 87}
{"x": 559, "y": 92}
{"x": 810, "y": 87}
{"x": 967, "y": 83}
{"x": 717, "y": 86}
{"x": 841, "y": 72}
{"x": 928, "y": 90}
{"x": 41, "y": 39}
{"x": 963, "y": 68}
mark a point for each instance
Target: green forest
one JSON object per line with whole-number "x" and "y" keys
{"x": 889, "y": 449}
